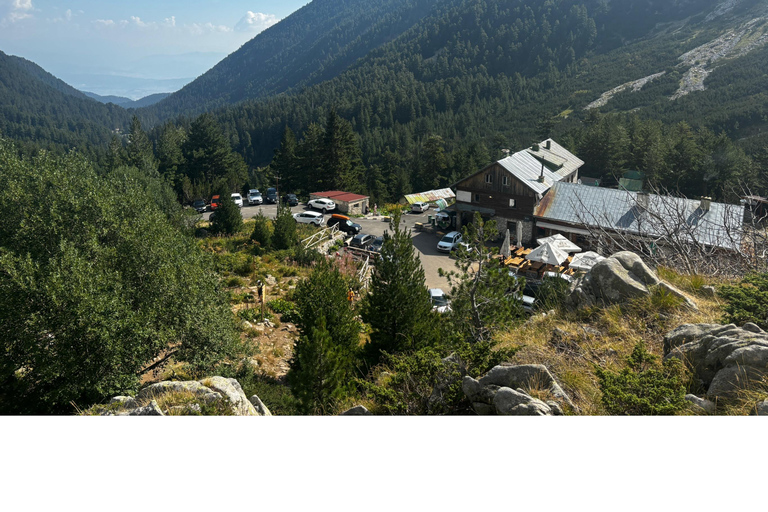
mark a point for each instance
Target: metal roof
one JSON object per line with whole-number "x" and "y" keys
{"x": 527, "y": 170}
{"x": 620, "y": 211}
{"x": 561, "y": 161}
{"x": 430, "y": 196}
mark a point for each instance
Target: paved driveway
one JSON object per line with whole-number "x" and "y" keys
{"x": 424, "y": 242}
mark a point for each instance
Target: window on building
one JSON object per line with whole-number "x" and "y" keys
{"x": 489, "y": 178}
{"x": 477, "y": 198}
{"x": 511, "y": 203}
{"x": 505, "y": 181}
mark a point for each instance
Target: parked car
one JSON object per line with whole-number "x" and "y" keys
{"x": 419, "y": 207}
{"x": 199, "y": 205}
{"x": 325, "y": 205}
{"x": 254, "y": 197}
{"x": 449, "y": 242}
{"x": 215, "y": 202}
{"x": 361, "y": 241}
{"x": 272, "y": 195}
{"x": 345, "y": 225}
{"x": 290, "y": 200}
{"x": 526, "y": 295}
{"x": 237, "y": 198}
{"x": 308, "y": 218}
{"x": 439, "y": 299}
{"x": 376, "y": 244}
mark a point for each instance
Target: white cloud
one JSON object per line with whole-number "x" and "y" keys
{"x": 255, "y": 22}
{"x": 104, "y": 23}
{"x": 12, "y": 11}
{"x": 198, "y": 29}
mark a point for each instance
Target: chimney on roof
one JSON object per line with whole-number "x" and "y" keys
{"x": 548, "y": 144}
{"x": 642, "y": 199}
{"x": 706, "y": 202}
{"x": 535, "y": 147}
{"x": 541, "y": 176}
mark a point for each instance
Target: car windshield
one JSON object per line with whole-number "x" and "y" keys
{"x": 448, "y": 238}
{"x": 439, "y": 300}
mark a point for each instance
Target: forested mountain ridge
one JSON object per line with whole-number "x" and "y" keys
{"x": 36, "y": 106}
{"x": 315, "y": 43}
{"x": 505, "y": 73}
{"x": 324, "y": 38}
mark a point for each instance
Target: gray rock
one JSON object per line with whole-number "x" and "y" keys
{"x": 270, "y": 280}
{"x": 483, "y": 409}
{"x": 619, "y": 278}
{"x": 509, "y": 402}
{"x": 185, "y": 410}
{"x": 724, "y": 358}
{"x": 708, "y": 291}
{"x": 150, "y": 410}
{"x": 555, "y": 407}
{"x": 162, "y": 388}
{"x": 749, "y": 326}
{"x": 701, "y": 404}
{"x": 232, "y": 391}
{"x": 525, "y": 376}
{"x": 258, "y": 405}
{"x": 126, "y": 402}
{"x": 761, "y": 409}
{"x": 357, "y": 410}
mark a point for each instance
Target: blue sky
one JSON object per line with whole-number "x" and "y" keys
{"x": 133, "y": 48}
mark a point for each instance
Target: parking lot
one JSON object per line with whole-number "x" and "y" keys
{"x": 424, "y": 242}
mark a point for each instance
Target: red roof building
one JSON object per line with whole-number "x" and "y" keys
{"x": 346, "y": 202}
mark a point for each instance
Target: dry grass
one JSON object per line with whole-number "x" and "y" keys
{"x": 172, "y": 403}
{"x": 604, "y": 337}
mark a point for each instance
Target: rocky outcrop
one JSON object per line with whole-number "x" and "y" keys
{"x": 700, "y": 405}
{"x": 620, "y": 278}
{"x": 501, "y": 391}
{"x": 187, "y": 397}
{"x": 357, "y": 410}
{"x": 725, "y": 358}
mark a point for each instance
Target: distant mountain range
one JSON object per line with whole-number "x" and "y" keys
{"x": 128, "y": 102}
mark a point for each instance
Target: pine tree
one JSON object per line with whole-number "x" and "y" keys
{"x": 285, "y": 164}
{"x": 481, "y": 298}
{"x": 227, "y": 218}
{"x": 433, "y": 163}
{"x": 342, "y": 167}
{"x": 398, "y": 308}
{"x": 284, "y": 235}
{"x": 262, "y": 231}
{"x": 323, "y": 364}
{"x": 139, "y": 151}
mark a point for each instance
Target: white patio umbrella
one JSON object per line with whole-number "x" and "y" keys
{"x": 585, "y": 260}
{"x": 505, "y": 246}
{"x": 548, "y": 254}
{"x": 560, "y": 242}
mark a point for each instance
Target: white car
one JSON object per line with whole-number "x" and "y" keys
{"x": 308, "y": 218}
{"x": 254, "y": 197}
{"x": 238, "y": 199}
{"x": 326, "y": 205}
{"x": 449, "y": 242}
{"x": 419, "y": 207}
{"x": 440, "y": 302}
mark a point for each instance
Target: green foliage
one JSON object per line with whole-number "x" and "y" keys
{"x": 284, "y": 235}
{"x": 643, "y": 386}
{"x": 747, "y": 301}
{"x": 262, "y": 231}
{"x": 95, "y": 283}
{"x": 483, "y": 297}
{"x": 322, "y": 367}
{"x": 421, "y": 382}
{"x": 552, "y": 293}
{"x": 286, "y": 309}
{"x": 227, "y": 219}
{"x": 397, "y": 308}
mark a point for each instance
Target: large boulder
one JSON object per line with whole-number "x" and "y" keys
{"x": 358, "y": 410}
{"x": 502, "y": 391}
{"x": 620, "y": 278}
{"x": 186, "y": 397}
{"x": 725, "y": 358}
